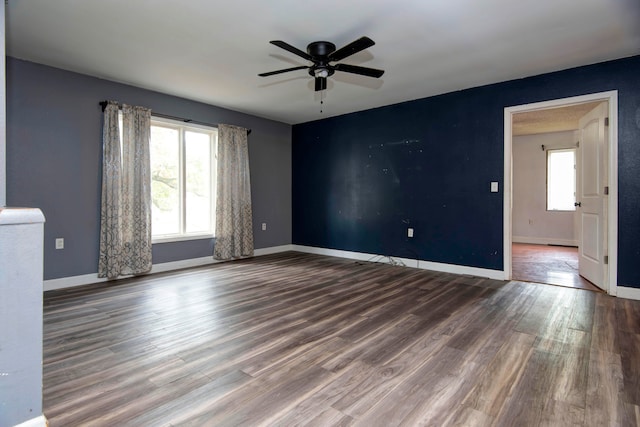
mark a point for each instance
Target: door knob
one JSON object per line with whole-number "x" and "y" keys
{"x": 578, "y": 204}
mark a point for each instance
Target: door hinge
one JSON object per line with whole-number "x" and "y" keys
{"x": 578, "y": 144}
{"x": 606, "y": 259}
{"x": 606, "y": 190}
{"x": 606, "y": 121}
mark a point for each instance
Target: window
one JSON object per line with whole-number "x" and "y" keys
{"x": 183, "y": 180}
{"x": 561, "y": 180}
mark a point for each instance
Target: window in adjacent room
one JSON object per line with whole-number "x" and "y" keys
{"x": 561, "y": 180}
{"x": 183, "y": 180}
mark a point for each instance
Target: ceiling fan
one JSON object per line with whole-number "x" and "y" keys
{"x": 321, "y": 54}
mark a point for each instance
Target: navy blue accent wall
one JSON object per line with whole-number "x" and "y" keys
{"x": 54, "y": 162}
{"x": 360, "y": 180}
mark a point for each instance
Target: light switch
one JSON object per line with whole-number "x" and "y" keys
{"x": 59, "y": 243}
{"x": 494, "y": 186}
{"x": 409, "y": 232}
{"x": 264, "y": 226}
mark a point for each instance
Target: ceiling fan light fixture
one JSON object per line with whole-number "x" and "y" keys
{"x": 322, "y": 72}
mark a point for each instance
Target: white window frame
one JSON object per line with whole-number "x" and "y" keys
{"x": 182, "y": 127}
{"x": 548, "y": 184}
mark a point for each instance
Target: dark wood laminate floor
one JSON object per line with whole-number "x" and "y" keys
{"x": 553, "y": 265}
{"x": 298, "y": 339}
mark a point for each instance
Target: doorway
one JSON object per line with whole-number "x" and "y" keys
{"x": 609, "y": 245}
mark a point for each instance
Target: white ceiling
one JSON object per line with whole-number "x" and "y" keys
{"x": 212, "y": 51}
{"x": 558, "y": 119}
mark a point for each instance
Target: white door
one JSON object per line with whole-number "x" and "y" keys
{"x": 591, "y": 199}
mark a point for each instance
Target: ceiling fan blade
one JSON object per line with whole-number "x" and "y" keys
{"x": 321, "y": 83}
{"x": 354, "y": 47}
{"x": 271, "y": 73}
{"x": 364, "y": 71}
{"x": 288, "y": 47}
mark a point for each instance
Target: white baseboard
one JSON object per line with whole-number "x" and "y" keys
{"x": 40, "y": 421}
{"x": 543, "y": 241}
{"x": 628, "y": 293}
{"x": 88, "y": 279}
{"x": 425, "y": 265}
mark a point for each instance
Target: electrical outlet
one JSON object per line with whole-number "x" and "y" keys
{"x": 264, "y": 226}
{"x": 59, "y": 243}
{"x": 494, "y": 186}
{"x": 409, "y": 232}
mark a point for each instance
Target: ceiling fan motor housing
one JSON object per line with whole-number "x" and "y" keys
{"x": 319, "y": 52}
{"x": 320, "y": 49}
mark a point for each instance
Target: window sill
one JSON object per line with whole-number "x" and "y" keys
{"x": 183, "y": 238}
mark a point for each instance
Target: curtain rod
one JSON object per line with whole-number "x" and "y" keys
{"x": 103, "y": 104}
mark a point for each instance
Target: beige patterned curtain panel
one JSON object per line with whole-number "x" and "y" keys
{"x": 234, "y": 224}
{"x": 125, "y": 215}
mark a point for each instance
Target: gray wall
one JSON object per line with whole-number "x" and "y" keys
{"x": 54, "y": 158}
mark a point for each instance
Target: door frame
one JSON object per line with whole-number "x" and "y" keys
{"x": 611, "y": 276}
